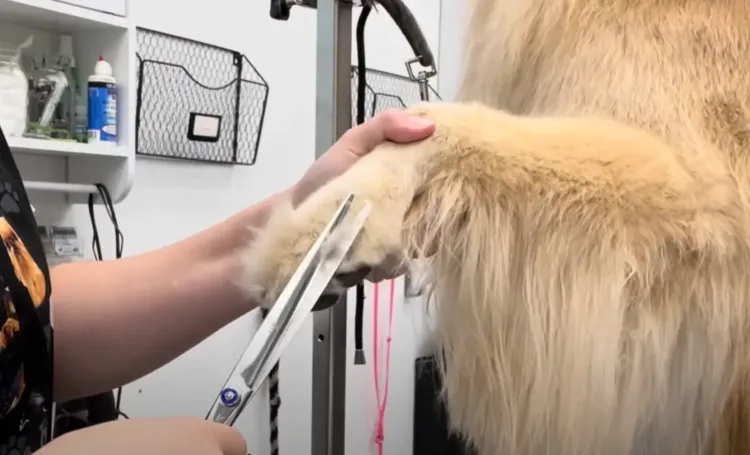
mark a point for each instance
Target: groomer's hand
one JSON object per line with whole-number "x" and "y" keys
{"x": 173, "y": 436}
{"x": 393, "y": 126}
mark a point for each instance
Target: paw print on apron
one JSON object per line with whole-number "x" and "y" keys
{"x": 9, "y": 200}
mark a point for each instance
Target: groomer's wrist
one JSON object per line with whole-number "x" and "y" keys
{"x": 301, "y": 190}
{"x": 240, "y": 229}
{"x": 230, "y": 236}
{"x": 257, "y": 216}
{"x": 316, "y": 177}
{"x": 230, "y": 269}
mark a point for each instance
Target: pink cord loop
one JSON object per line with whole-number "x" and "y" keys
{"x": 382, "y": 402}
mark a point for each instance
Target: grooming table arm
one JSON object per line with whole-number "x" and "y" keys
{"x": 333, "y": 117}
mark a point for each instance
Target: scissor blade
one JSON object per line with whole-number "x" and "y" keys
{"x": 285, "y": 318}
{"x": 257, "y": 372}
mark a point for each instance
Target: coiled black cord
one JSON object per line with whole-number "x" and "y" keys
{"x": 274, "y": 402}
{"x": 359, "y": 353}
{"x": 97, "y": 247}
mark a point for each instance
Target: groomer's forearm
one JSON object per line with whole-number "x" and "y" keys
{"x": 116, "y": 321}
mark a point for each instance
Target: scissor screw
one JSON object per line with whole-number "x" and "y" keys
{"x": 230, "y": 397}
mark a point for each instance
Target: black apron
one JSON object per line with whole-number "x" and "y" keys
{"x": 25, "y": 326}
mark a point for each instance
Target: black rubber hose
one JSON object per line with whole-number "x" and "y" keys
{"x": 409, "y": 27}
{"x": 361, "y": 63}
{"x": 398, "y": 11}
{"x": 359, "y": 353}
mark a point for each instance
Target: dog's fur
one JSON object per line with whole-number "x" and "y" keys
{"x": 588, "y": 226}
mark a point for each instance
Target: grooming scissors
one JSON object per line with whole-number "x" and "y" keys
{"x": 283, "y": 321}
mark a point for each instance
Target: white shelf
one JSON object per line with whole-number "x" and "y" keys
{"x": 69, "y": 167}
{"x": 64, "y": 148}
{"x": 58, "y": 16}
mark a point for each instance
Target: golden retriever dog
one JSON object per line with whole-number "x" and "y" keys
{"x": 585, "y": 206}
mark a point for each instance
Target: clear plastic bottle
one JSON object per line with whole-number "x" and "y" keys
{"x": 80, "y": 121}
{"x": 14, "y": 88}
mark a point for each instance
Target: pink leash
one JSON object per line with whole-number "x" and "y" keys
{"x": 379, "y": 429}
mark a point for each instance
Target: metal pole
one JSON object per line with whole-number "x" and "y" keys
{"x": 333, "y": 118}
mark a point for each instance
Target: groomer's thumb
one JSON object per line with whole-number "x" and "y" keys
{"x": 394, "y": 125}
{"x": 230, "y": 440}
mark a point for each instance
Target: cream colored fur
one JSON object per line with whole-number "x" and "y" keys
{"x": 587, "y": 223}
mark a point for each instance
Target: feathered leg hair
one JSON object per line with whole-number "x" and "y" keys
{"x": 591, "y": 288}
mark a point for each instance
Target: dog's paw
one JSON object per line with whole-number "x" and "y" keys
{"x": 385, "y": 179}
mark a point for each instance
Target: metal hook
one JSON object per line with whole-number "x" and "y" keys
{"x": 421, "y": 77}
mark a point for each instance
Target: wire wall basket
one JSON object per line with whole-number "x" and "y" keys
{"x": 385, "y": 91}
{"x": 197, "y": 101}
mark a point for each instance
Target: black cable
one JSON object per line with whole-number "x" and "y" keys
{"x": 97, "y": 247}
{"x": 109, "y": 207}
{"x": 359, "y": 352}
{"x": 361, "y": 62}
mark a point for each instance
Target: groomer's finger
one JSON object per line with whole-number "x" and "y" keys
{"x": 394, "y": 125}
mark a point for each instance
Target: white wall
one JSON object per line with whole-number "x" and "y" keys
{"x": 453, "y": 19}
{"x": 172, "y": 200}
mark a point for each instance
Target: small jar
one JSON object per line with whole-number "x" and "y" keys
{"x": 14, "y": 88}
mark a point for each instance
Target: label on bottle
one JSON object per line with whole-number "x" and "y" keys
{"x": 102, "y": 113}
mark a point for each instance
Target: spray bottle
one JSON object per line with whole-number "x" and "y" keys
{"x": 102, "y": 105}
